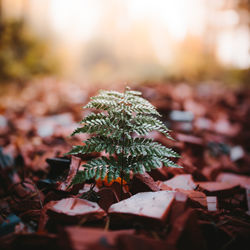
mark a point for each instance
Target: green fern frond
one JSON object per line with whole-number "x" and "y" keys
{"x": 117, "y": 129}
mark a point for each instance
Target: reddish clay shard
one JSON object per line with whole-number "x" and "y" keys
{"x": 142, "y": 183}
{"x": 183, "y": 181}
{"x": 75, "y": 163}
{"x": 147, "y": 207}
{"x": 78, "y": 238}
{"x": 234, "y": 179}
{"x": 197, "y": 197}
{"x": 107, "y": 198}
{"x": 131, "y": 242}
{"x": 185, "y": 233}
{"x": 220, "y": 189}
{"x": 74, "y": 209}
{"x": 212, "y": 203}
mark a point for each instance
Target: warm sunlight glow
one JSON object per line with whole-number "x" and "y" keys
{"x": 105, "y": 34}
{"x": 82, "y": 17}
{"x": 233, "y": 47}
{"x": 75, "y": 20}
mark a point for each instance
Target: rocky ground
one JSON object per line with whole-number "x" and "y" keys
{"x": 204, "y": 205}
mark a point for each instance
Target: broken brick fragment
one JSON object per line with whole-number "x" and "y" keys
{"x": 230, "y": 196}
{"x": 149, "y": 208}
{"x": 131, "y": 242}
{"x": 212, "y": 203}
{"x": 73, "y": 210}
{"x": 185, "y": 233}
{"x": 189, "y": 139}
{"x": 178, "y": 207}
{"x": 116, "y": 187}
{"x": 234, "y": 179}
{"x": 107, "y": 198}
{"x": 220, "y": 189}
{"x": 158, "y": 174}
{"x": 78, "y": 238}
{"x": 73, "y": 168}
{"x": 183, "y": 181}
{"x": 143, "y": 183}
{"x": 196, "y": 198}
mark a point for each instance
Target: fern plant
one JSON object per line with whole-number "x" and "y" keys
{"x": 119, "y": 129}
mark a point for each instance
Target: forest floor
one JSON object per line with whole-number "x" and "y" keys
{"x": 204, "y": 205}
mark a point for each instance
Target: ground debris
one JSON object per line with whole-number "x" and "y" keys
{"x": 204, "y": 205}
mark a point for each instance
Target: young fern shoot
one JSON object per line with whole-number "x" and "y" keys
{"x": 118, "y": 129}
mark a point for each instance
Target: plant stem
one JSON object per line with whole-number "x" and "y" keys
{"x": 122, "y": 154}
{"x": 122, "y": 180}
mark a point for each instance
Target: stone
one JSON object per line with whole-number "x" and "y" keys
{"x": 220, "y": 189}
{"x": 143, "y": 183}
{"x": 148, "y": 207}
{"x": 131, "y": 242}
{"x": 212, "y": 203}
{"x": 73, "y": 168}
{"x": 79, "y": 238}
{"x": 234, "y": 179}
{"x": 182, "y": 181}
{"x": 107, "y": 198}
{"x": 73, "y": 210}
{"x": 197, "y": 198}
{"x": 185, "y": 232}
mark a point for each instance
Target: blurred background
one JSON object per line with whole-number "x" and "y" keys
{"x": 108, "y": 41}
